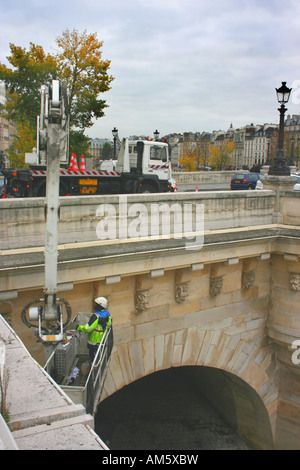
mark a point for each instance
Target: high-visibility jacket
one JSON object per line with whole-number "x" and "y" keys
{"x": 94, "y": 328}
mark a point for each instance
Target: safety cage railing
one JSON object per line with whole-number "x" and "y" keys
{"x": 71, "y": 369}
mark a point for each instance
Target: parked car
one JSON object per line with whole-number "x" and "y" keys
{"x": 260, "y": 185}
{"x": 244, "y": 180}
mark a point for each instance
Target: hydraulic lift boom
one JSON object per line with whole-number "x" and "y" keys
{"x": 52, "y": 147}
{"x": 47, "y": 313}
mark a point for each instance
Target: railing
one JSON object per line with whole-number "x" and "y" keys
{"x": 93, "y": 387}
{"x": 89, "y": 393}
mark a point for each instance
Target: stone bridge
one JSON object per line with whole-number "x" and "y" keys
{"x": 222, "y": 296}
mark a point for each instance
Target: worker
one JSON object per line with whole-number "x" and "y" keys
{"x": 96, "y": 326}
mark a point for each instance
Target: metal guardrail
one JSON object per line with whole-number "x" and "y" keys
{"x": 97, "y": 372}
{"x": 58, "y": 365}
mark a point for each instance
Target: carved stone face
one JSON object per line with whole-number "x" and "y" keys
{"x": 216, "y": 284}
{"x": 141, "y": 300}
{"x": 181, "y": 292}
{"x": 248, "y": 279}
{"x": 294, "y": 282}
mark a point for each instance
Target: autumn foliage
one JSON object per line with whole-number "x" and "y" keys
{"x": 78, "y": 63}
{"x": 222, "y": 155}
{"x": 81, "y": 66}
{"x": 195, "y": 154}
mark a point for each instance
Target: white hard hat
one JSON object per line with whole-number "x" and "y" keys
{"x": 102, "y": 301}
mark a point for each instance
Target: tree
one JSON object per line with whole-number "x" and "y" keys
{"x": 78, "y": 63}
{"x": 24, "y": 142}
{"x": 221, "y": 155}
{"x": 79, "y": 143}
{"x": 195, "y": 153}
{"x": 107, "y": 151}
{"x": 204, "y": 153}
{"x": 81, "y": 66}
{"x": 30, "y": 70}
{"x": 188, "y": 157}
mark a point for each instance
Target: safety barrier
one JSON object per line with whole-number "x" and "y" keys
{"x": 86, "y": 393}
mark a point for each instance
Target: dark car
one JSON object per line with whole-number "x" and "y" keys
{"x": 244, "y": 180}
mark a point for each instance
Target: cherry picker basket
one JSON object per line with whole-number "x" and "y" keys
{"x": 66, "y": 363}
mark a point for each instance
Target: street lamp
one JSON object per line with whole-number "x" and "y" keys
{"x": 115, "y": 135}
{"x": 280, "y": 166}
{"x": 156, "y": 134}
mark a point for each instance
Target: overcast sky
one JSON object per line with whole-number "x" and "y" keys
{"x": 179, "y": 65}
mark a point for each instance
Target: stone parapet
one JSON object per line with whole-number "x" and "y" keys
{"x": 90, "y": 218}
{"x": 203, "y": 177}
{"x": 279, "y": 184}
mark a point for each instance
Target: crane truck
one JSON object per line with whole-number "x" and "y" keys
{"x": 143, "y": 166}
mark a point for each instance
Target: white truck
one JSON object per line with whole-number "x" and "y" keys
{"x": 143, "y": 166}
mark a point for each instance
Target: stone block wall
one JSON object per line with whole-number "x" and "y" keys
{"x": 221, "y": 327}
{"x": 231, "y": 306}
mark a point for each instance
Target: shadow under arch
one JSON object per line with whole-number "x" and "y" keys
{"x": 232, "y": 398}
{"x": 237, "y": 402}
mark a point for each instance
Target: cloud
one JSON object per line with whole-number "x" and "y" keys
{"x": 178, "y": 64}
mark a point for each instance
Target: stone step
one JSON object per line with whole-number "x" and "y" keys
{"x": 67, "y": 434}
{"x": 46, "y": 416}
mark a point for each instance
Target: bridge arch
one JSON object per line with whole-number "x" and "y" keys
{"x": 182, "y": 402}
{"x": 236, "y": 374}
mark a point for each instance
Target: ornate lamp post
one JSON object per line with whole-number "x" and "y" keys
{"x": 280, "y": 167}
{"x": 115, "y": 135}
{"x": 156, "y": 134}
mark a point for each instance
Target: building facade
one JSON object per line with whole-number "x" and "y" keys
{"x": 8, "y": 129}
{"x": 255, "y": 145}
{"x": 292, "y": 132}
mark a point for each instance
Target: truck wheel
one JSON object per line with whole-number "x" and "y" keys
{"x": 148, "y": 188}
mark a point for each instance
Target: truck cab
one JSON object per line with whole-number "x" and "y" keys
{"x": 147, "y": 158}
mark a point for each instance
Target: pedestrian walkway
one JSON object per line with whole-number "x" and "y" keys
{"x": 41, "y": 415}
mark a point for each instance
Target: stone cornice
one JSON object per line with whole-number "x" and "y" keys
{"x": 120, "y": 249}
{"x": 95, "y": 260}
